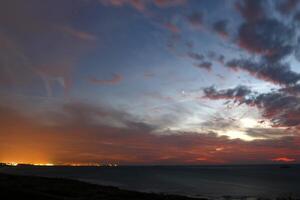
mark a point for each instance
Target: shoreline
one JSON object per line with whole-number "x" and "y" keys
{"x": 26, "y": 174}
{"x": 43, "y": 188}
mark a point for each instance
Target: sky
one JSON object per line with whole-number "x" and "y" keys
{"x": 150, "y": 81}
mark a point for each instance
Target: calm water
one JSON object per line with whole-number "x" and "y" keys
{"x": 266, "y": 181}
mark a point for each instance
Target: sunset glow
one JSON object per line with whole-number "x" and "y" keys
{"x": 105, "y": 82}
{"x": 283, "y": 159}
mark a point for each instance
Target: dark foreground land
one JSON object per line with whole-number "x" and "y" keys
{"x": 40, "y": 188}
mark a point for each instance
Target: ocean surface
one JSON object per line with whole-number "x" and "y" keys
{"x": 203, "y": 181}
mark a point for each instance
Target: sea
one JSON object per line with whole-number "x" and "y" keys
{"x": 238, "y": 181}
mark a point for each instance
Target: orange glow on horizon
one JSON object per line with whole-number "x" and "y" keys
{"x": 65, "y": 164}
{"x": 283, "y": 159}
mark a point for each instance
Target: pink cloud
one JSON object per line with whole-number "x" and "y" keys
{"x": 172, "y": 27}
{"x": 78, "y": 34}
{"x": 137, "y": 4}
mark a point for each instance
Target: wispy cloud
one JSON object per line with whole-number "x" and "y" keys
{"x": 116, "y": 78}
{"x": 78, "y": 33}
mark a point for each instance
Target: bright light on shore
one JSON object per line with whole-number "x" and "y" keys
{"x": 12, "y": 164}
{"x": 66, "y": 164}
{"x": 43, "y": 164}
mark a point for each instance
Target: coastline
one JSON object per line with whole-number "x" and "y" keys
{"x": 124, "y": 178}
{"x": 43, "y": 188}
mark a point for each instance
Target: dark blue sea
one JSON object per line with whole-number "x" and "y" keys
{"x": 203, "y": 181}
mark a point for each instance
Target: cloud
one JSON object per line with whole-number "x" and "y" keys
{"x": 216, "y": 57}
{"x": 277, "y": 73}
{"x": 267, "y": 133}
{"x": 272, "y": 39}
{"x": 159, "y": 96}
{"x": 19, "y": 69}
{"x": 257, "y": 130}
{"x": 195, "y": 56}
{"x": 297, "y": 17}
{"x": 172, "y": 27}
{"x": 269, "y": 38}
{"x": 141, "y": 5}
{"x": 218, "y": 122}
{"x": 220, "y": 27}
{"x": 251, "y": 10}
{"x": 293, "y": 90}
{"x": 15, "y": 68}
{"x": 204, "y": 65}
{"x": 78, "y": 34}
{"x": 137, "y": 4}
{"x": 149, "y": 74}
{"x": 40, "y": 47}
{"x": 116, "y": 79}
{"x": 195, "y": 19}
{"x": 168, "y": 3}
{"x": 282, "y": 109}
{"x": 84, "y": 133}
{"x": 238, "y": 93}
{"x": 201, "y": 59}
{"x": 287, "y": 6}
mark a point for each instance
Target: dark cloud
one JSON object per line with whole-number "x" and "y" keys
{"x": 297, "y": 50}
{"x": 212, "y": 56}
{"x": 220, "y": 27}
{"x": 278, "y": 73}
{"x": 272, "y": 40}
{"x": 293, "y": 90}
{"x": 266, "y": 133}
{"x": 251, "y": 10}
{"x": 287, "y": 6}
{"x": 196, "y": 19}
{"x": 282, "y": 109}
{"x": 195, "y": 56}
{"x": 259, "y": 34}
{"x": 218, "y": 122}
{"x": 297, "y": 17}
{"x": 269, "y": 38}
{"x": 216, "y": 57}
{"x": 238, "y": 93}
{"x": 204, "y": 65}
